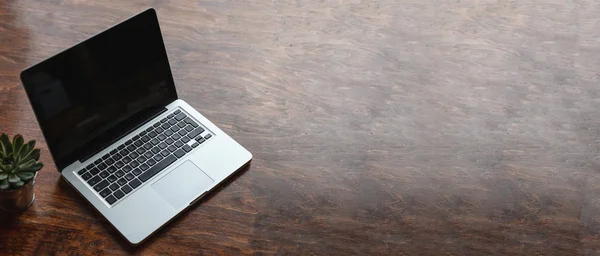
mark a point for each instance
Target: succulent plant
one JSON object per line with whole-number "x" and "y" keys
{"x": 18, "y": 161}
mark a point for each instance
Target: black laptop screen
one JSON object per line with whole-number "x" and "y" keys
{"x": 91, "y": 94}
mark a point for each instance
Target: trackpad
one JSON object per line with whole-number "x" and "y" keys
{"x": 184, "y": 184}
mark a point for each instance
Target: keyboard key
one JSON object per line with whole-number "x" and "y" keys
{"x": 119, "y": 194}
{"x": 122, "y": 181}
{"x": 119, "y": 174}
{"x": 158, "y": 157}
{"x": 127, "y": 168}
{"x": 124, "y": 152}
{"x": 126, "y": 160}
{"x": 154, "y": 141}
{"x": 156, "y": 124}
{"x": 187, "y": 148}
{"x": 149, "y": 129}
{"x": 143, "y": 133}
{"x": 162, "y": 145}
{"x": 112, "y": 178}
{"x": 114, "y": 186}
{"x": 136, "y": 137}
{"x": 138, "y": 143}
{"x": 134, "y": 164}
{"x": 161, "y": 137}
{"x": 140, "y": 150}
{"x": 148, "y": 154}
{"x": 181, "y": 124}
{"x": 155, "y": 150}
{"x": 135, "y": 183}
{"x": 131, "y": 148}
{"x": 82, "y": 171}
{"x": 195, "y": 132}
{"x": 168, "y": 133}
{"x": 151, "y": 162}
{"x": 176, "y": 136}
{"x": 144, "y": 167}
{"x": 98, "y": 161}
{"x": 112, "y": 152}
{"x": 157, "y": 168}
{"x": 200, "y": 140}
{"x": 119, "y": 164}
{"x": 129, "y": 176}
{"x": 165, "y": 126}
{"x": 102, "y": 166}
{"x": 178, "y": 144}
{"x": 145, "y": 139}
{"x": 171, "y": 115}
{"x": 195, "y": 144}
{"x": 152, "y": 134}
{"x": 121, "y": 147}
{"x": 126, "y": 189}
{"x": 136, "y": 171}
{"x": 147, "y": 146}
{"x": 175, "y": 128}
{"x": 180, "y": 117}
{"x": 159, "y": 130}
{"x": 182, "y": 132}
{"x": 101, "y": 185}
{"x": 109, "y": 161}
{"x": 105, "y": 156}
{"x": 177, "y": 112}
{"x": 94, "y": 180}
{"x": 111, "y": 169}
{"x": 116, "y": 157}
{"x": 172, "y": 148}
{"x": 111, "y": 200}
{"x": 189, "y": 128}
{"x": 128, "y": 142}
{"x": 165, "y": 153}
{"x": 106, "y": 192}
{"x": 169, "y": 141}
{"x": 86, "y": 176}
{"x": 190, "y": 122}
{"x": 94, "y": 171}
{"x": 185, "y": 139}
{"x": 179, "y": 153}
{"x": 104, "y": 174}
{"x": 133, "y": 155}
{"x": 164, "y": 120}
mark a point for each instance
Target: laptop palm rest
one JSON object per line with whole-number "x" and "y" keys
{"x": 183, "y": 184}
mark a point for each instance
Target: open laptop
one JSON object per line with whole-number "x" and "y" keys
{"x": 119, "y": 135}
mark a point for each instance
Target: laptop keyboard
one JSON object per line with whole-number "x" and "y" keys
{"x": 140, "y": 158}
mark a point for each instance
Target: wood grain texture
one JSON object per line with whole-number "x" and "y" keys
{"x": 414, "y": 127}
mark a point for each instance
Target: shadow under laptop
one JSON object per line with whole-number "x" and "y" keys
{"x": 168, "y": 226}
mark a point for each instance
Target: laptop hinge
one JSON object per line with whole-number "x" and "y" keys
{"x": 133, "y": 128}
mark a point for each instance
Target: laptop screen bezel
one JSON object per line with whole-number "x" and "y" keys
{"x": 109, "y": 137}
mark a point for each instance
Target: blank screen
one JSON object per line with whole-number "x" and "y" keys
{"x": 91, "y": 94}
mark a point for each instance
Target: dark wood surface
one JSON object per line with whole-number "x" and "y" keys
{"x": 377, "y": 127}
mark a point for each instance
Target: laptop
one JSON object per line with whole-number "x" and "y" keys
{"x": 118, "y": 133}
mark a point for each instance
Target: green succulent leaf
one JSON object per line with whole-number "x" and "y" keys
{"x": 17, "y": 144}
{"x": 13, "y": 178}
{"x": 4, "y": 184}
{"x": 3, "y": 176}
{"x": 26, "y": 176}
{"x": 17, "y": 184}
{"x": 5, "y": 145}
{"x": 34, "y": 168}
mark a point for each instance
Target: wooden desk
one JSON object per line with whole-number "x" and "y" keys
{"x": 377, "y": 127}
